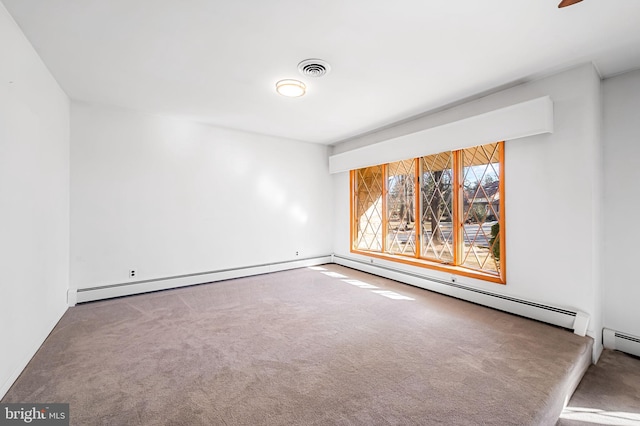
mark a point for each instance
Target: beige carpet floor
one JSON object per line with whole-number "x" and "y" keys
{"x": 609, "y": 393}
{"x": 324, "y": 346}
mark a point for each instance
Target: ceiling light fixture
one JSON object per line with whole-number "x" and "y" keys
{"x": 291, "y": 88}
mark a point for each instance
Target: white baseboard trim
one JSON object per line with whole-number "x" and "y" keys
{"x": 566, "y": 318}
{"x": 37, "y": 342}
{"x": 145, "y": 286}
{"x": 620, "y": 341}
{"x": 571, "y": 319}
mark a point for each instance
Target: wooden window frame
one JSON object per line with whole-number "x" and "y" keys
{"x": 457, "y": 213}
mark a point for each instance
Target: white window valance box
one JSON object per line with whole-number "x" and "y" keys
{"x": 514, "y": 122}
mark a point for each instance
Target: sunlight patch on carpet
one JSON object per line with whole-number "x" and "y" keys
{"x": 601, "y": 417}
{"x": 360, "y": 284}
{"x": 334, "y": 275}
{"x": 392, "y": 295}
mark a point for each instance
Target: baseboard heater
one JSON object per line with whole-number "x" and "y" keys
{"x": 621, "y": 341}
{"x": 165, "y": 283}
{"x": 575, "y": 320}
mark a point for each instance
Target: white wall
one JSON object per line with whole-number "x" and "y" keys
{"x": 621, "y": 202}
{"x": 552, "y": 195}
{"x": 34, "y": 196}
{"x": 168, "y": 197}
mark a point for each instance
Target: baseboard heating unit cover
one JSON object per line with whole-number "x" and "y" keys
{"x": 571, "y": 319}
{"x": 621, "y": 341}
{"x": 155, "y": 284}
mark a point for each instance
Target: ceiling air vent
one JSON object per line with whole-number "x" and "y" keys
{"x": 314, "y": 67}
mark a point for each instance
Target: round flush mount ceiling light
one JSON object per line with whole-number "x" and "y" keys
{"x": 291, "y": 88}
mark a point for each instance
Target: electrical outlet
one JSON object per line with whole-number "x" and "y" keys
{"x": 132, "y": 273}
{"x": 296, "y": 253}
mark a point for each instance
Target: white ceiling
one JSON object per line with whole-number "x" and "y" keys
{"x": 217, "y": 61}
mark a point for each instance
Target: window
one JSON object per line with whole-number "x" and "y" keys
{"x": 443, "y": 211}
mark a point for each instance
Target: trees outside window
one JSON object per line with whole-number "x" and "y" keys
{"x": 443, "y": 211}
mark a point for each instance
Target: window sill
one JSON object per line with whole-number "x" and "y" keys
{"x": 456, "y": 270}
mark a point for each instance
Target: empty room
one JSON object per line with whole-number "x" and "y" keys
{"x": 318, "y": 213}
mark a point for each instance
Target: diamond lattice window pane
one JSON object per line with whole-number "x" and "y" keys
{"x": 481, "y": 207}
{"x": 368, "y": 209}
{"x": 436, "y": 207}
{"x": 401, "y": 207}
